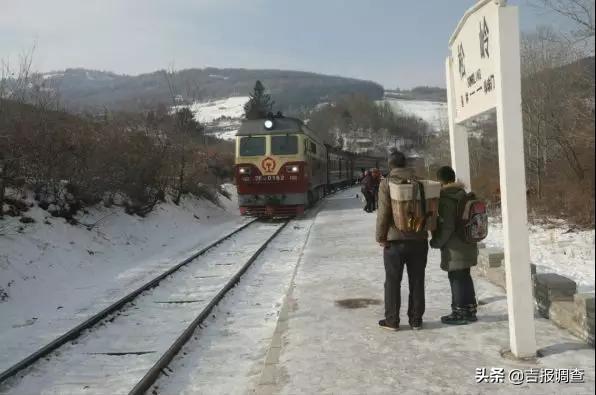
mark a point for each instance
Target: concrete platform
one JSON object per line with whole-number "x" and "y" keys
{"x": 328, "y": 341}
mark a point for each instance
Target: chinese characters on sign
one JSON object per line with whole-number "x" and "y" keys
{"x": 473, "y": 64}
{"x": 483, "y": 39}
{"x": 529, "y": 376}
{"x": 461, "y": 60}
{"x": 475, "y": 78}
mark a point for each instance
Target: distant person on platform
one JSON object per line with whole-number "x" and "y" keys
{"x": 362, "y": 174}
{"x": 376, "y": 176}
{"x": 457, "y": 256}
{"x": 400, "y": 249}
{"x": 367, "y": 189}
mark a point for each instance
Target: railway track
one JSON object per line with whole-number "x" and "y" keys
{"x": 130, "y": 343}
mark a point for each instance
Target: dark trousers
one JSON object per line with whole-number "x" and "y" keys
{"x": 370, "y": 202}
{"x": 411, "y": 254}
{"x": 375, "y": 198}
{"x": 462, "y": 288}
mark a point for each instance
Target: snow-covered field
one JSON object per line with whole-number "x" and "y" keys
{"x": 222, "y": 117}
{"x": 232, "y": 107}
{"x": 55, "y": 274}
{"x": 432, "y": 112}
{"x": 555, "y": 249}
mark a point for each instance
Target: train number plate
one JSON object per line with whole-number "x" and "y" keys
{"x": 270, "y": 178}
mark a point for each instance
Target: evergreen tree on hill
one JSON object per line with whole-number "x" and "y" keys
{"x": 260, "y": 103}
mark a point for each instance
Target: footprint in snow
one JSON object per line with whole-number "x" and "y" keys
{"x": 29, "y": 322}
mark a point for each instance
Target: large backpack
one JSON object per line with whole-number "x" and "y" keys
{"x": 414, "y": 204}
{"x": 472, "y": 218}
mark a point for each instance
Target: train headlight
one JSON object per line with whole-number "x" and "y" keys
{"x": 268, "y": 124}
{"x": 292, "y": 169}
{"x": 244, "y": 170}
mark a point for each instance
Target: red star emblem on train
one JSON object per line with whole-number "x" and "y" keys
{"x": 268, "y": 164}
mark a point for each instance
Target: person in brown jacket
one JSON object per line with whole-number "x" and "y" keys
{"x": 400, "y": 249}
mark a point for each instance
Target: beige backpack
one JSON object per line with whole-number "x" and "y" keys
{"x": 415, "y": 204}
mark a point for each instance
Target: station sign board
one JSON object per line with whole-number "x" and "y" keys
{"x": 473, "y": 50}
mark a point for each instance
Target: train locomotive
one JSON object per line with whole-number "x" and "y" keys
{"x": 283, "y": 167}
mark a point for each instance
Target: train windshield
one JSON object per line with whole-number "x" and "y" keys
{"x": 284, "y": 145}
{"x": 252, "y": 146}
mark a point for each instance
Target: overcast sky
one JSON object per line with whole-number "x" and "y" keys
{"x": 394, "y": 42}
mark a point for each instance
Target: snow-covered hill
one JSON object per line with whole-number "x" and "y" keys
{"x": 435, "y": 113}
{"x": 222, "y": 117}
{"x": 210, "y": 111}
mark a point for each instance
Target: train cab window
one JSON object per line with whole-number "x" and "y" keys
{"x": 313, "y": 147}
{"x": 252, "y": 146}
{"x": 284, "y": 145}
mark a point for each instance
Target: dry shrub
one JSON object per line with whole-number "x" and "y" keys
{"x": 71, "y": 162}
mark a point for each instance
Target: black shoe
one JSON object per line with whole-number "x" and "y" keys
{"x": 383, "y": 324}
{"x": 470, "y": 317}
{"x": 416, "y": 325}
{"x": 455, "y": 318}
{"x": 469, "y": 313}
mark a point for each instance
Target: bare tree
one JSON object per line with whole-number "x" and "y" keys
{"x": 186, "y": 133}
{"x": 13, "y": 86}
{"x": 579, "y": 12}
{"x": 558, "y": 112}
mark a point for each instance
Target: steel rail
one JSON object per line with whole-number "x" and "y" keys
{"x": 153, "y": 373}
{"x": 76, "y": 331}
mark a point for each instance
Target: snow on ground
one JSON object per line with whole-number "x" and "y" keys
{"x": 142, "y": 330}
{"x": 226, "y": 355}
{"x": 333, "y": 344}
{"x": 222, "y": 118}
{"x": 232, "y": 107}
{"x": 430, "y": 111}
{"x": 56, "y": 275}
{"x": 226, "y": 134}
{"x": 556, "y": 250}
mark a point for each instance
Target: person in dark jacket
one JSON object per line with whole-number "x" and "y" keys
{"x": 368, "y": 191}
{"x": 376, "y": 177}
{"x": 400, "y": 250}
{"x": 457, "y": 256}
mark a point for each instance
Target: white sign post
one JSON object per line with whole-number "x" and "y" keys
{"x": 483, "y": 73}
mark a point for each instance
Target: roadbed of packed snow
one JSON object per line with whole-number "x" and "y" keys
{"x": 555, "y": 247}
{"x": 141, "y": 331}
{"x": 55, "y": 275}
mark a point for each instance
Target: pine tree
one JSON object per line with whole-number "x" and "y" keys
{"x": 260, "y": 103}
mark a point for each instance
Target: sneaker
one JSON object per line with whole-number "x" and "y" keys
{"x": 383, "y": 324}
{"x": 455, "y": 318}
